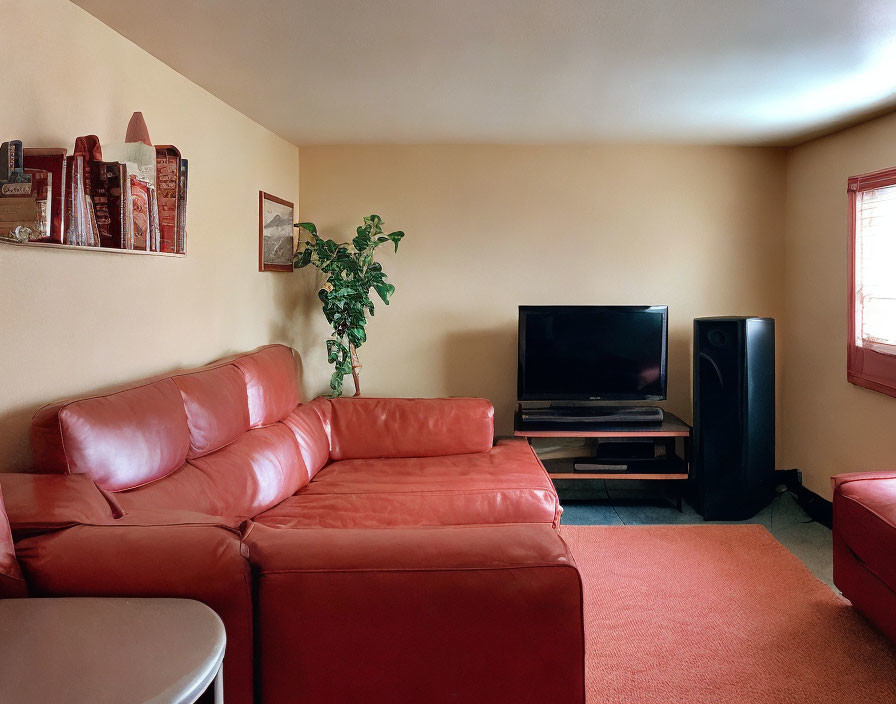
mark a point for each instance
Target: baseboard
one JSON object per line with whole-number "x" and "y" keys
{"x": 819, "y": 509}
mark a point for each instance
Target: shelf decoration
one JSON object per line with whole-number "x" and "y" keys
{"x": 126, "y": 197}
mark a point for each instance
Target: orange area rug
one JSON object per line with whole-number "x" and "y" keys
{"x": 721, "y": 615}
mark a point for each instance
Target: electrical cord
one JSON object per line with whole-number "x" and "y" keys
{"x": 612, "y": 505}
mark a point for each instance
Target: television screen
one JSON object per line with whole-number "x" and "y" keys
{"x": 592, "y": 353}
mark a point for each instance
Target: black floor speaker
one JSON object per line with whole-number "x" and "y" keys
{"x": 734, "y": 416}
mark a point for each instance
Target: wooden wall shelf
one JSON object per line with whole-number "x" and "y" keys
{"x": 108, "y": 250}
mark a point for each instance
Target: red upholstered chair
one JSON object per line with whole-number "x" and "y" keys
{"x": 865, "y": 545}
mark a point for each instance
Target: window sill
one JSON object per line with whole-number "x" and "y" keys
{"x": 871, "y": 384}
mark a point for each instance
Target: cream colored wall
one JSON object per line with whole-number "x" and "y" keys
{"x": 492, "y": 227}
{"x": 829, "y": 425}
{"x": 73, "y": 321}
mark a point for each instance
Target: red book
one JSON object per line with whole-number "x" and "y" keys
{"x": 109, "y": 202}
{"x": 167, "y": 181}
{"x": 141, "y": 206}
{"x": 182, "y": 208}
{"x": 53, "y": 161}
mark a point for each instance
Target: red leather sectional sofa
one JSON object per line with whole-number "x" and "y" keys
{"x": 357, "y": 550}
{"x": 865, "y": 545}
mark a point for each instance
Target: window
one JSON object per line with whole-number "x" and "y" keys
{"x": 871, "y": 356}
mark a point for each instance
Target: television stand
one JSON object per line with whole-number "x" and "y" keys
{"x": 617, "y": 451}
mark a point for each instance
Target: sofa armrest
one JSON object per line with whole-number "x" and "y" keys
{"x": 366, "y": 428}
{"x": 435, "y": 614}
{"x": 841, "y": 479}
{"x": 39, "y": 503}
{"x": 202, "y": 562}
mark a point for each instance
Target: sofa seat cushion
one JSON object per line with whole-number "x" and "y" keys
{"x": 504, "y": 485}
{"x": 865, "y": 519}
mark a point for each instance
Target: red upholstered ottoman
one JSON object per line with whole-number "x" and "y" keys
{"x": 865, "y": 545}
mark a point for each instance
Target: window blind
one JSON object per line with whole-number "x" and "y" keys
{"x": 875, "y": 269}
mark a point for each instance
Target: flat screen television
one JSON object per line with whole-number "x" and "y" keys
{"x": 592, "y": 353}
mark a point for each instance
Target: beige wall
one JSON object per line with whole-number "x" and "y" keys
{"x": 492, "y": 227}
{"x": 829, "y": 425}
{"x": 72, "y": 321}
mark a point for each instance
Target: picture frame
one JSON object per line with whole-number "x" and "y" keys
{"x": 276, "y": 241}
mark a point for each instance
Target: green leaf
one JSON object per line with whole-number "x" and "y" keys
{"x": 384, "y": 290}
{"x": 396, "y": 237}
{"x": 336, "y": 383}
{"x": 302, "y": 259}
{"x": 361, "y": 242}
{"x": 336, "y": 351}
{"x": 309, "y": 226}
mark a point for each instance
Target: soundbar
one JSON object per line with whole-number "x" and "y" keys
{"x": 659, "y": 465}
{"x": 593, "y": 414}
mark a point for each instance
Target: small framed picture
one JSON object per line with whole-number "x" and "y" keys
{"x": 276, "y": 243}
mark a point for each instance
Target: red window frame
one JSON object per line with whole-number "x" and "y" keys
{"x": 865, "y": 367}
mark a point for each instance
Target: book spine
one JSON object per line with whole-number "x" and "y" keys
{"x": 127, "y": 205}
{"x": 181, "y": 246}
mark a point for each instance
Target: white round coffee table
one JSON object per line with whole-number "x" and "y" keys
{"x": 109, "y": 651}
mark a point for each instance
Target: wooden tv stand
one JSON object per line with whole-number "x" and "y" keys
{"x": 671, "y": 427}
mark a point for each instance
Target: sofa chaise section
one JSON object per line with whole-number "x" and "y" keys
{"x": 429, "y": 614}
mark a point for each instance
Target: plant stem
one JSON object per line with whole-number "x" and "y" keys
{"x": 356, "y": 365}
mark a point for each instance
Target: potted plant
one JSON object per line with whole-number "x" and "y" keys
{"x": 351, "y": 274}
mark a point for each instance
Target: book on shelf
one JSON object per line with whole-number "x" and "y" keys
{"x": 181, "y": 243}
{"x": 108, "y": 181}
{"x": 54, "y": 162}
{"x": 155, "y": 234}
{"x": 25, "y": 197}
{"x": 167, "y": 190}
{"x": 81, "y": 225}
{"x": 11, "y": 161}
{"x": 140, "y": 209}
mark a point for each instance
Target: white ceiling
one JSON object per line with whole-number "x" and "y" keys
{"x": 708, "y": 71}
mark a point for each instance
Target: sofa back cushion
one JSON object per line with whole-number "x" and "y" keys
{"x": 120, "y": 440}
{"x": 217, "y": 407}
{"x": 256, "y": 472}
{"x": 309, "y": 424}
{"x": 271, "y": 378}
{"x": 367, "y": 428}
{"x": 129, "y": 440}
